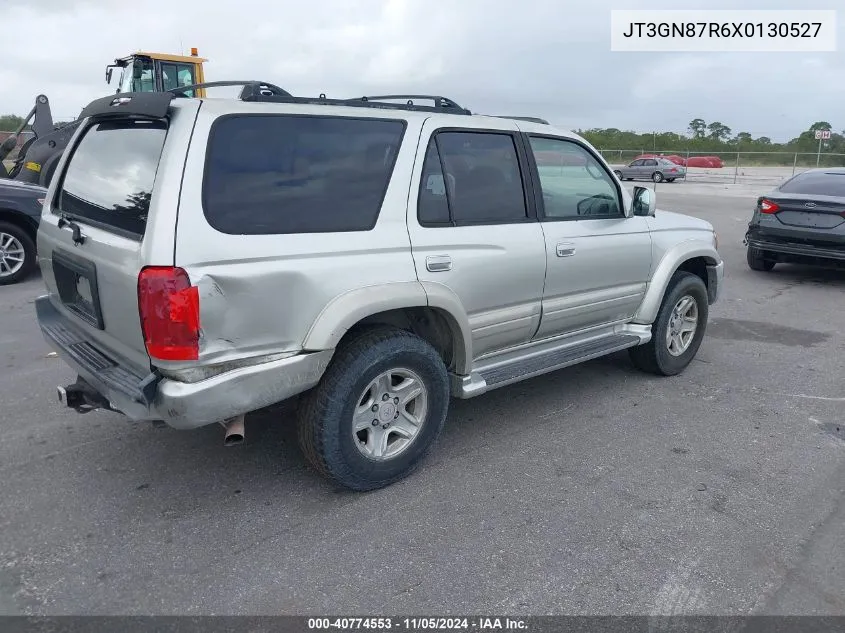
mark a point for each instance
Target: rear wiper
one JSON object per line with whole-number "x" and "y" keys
{"x": 77, "y": 237}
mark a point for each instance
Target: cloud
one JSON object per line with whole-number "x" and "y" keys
{"x": 535, "y": 58}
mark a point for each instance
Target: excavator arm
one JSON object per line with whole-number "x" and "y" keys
{"x": 28, "y": 165}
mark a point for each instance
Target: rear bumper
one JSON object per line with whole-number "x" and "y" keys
{"x": 179, "y": 404}
{"x": 796, "y": 250}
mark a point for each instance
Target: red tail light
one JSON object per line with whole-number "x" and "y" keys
{"x": 767, "y": 206}
{"x": 169, "y": 308}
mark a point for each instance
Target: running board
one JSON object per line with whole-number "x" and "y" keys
{"x": 500, "y": 373}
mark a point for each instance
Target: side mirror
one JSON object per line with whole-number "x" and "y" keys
{"x": 109, "y": 70}
{"x": 644, "y": 202}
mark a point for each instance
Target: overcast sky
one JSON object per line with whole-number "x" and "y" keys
{"x": 548, "y": 58}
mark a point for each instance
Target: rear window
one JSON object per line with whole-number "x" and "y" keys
{"x": 816, "y": 183}
{"x": 272, "y": 174}
{"x": 110, "y": 177}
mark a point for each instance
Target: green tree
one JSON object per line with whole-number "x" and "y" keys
{"x": 743, "y": 137}
{"x": 820, "y": 125}
{"x": 697, "y": 128}
{"x": 719, "y": 131}
{"x": 10, "y": 122}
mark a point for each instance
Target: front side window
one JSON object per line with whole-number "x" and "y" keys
{"x": 177, "y": 75}
{"x": 110, "y": 176}
{"x": 275, "y": 174}
{"x": 574, "y": 184}
{"x": 471, "y": 178}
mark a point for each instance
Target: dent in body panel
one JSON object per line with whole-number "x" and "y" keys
{"x": 262, "y": 294}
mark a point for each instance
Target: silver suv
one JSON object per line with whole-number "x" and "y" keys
{"x": 205, "y": 258}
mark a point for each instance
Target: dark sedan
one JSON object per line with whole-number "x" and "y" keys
{"x": 20, "y": 214}
{"x": 802, "y": 221}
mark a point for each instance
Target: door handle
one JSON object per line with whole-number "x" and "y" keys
{"x": 438, "y": 263}
{"x": 565, "y": 249}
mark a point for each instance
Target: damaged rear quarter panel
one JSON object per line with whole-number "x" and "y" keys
{"x": 261, "y": 294}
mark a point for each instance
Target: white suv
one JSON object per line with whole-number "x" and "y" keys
{"x": 205, "y": 258}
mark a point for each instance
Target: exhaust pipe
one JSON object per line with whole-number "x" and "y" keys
{"x": 234, "y": 431}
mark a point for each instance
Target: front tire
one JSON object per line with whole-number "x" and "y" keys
{"x": 618, "y": 174}
{"x": 377, "y": 411}
{"x": 757, "y": 260}
{"x": 17, "y": 254}
{"x": 678, "y": 330}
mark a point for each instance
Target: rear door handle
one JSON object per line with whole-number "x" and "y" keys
{"x": 438, "y": 263}
{"x": 565, "y": 249}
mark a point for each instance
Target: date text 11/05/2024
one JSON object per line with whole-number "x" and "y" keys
{"x": 722, "y": 29}
{"x": 418, "y": 624}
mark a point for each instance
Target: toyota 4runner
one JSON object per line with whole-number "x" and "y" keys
{"x": 205, "y": 258}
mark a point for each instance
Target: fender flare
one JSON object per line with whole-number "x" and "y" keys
{"x": 447, "y": 302}
{"x": 671, "y": 261}
{"x": 348, "y": 308}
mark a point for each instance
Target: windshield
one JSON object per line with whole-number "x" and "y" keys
{"x": 138, "y": 76}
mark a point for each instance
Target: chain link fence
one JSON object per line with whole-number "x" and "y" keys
{"x": 764, "y": 168}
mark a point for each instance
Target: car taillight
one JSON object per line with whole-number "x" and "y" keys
{"x": 767, "y": 206}
{"x": 169, "y": 308}
{"x": 673, "y": 169}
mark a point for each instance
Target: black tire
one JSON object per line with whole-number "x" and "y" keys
{"x": 29, "y": 254}
{"x": 657, "y": 176}
{"x": 670, "y": 180}
{"x": 326, "y": 412}
{"x": 618, "y": 174}
{"x": 654, "y": 357}
{"x": 757, "y": 260}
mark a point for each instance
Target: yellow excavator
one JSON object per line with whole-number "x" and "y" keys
{"x": 158, "y": 72}
{"x": 139, "y": 72}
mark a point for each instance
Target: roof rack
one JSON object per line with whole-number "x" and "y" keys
{"x": 532, "y": 119}
{"x": 440, "y": 102}
{"x": 263, "y": 91}
{"x": 251, "y": 88}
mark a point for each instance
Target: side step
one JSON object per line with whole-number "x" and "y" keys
{"x": 508, "y": 371}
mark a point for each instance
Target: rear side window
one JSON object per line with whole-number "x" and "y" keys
{"x": 109, "y": 180}
{"x": 471, "y": 178}
{"x": 274, "y": 174}
{"x": 816, "y": 183}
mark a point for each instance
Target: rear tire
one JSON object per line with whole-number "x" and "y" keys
{"x": 656, "y": 356}
{"x": 657, "y": 176}
{"x": 670, "y": 180}
{"x": 757, "y": 260}
{"x": 15, "y": 242}
{"x": 336, "y": 433}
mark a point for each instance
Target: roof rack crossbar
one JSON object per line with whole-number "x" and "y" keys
{"x": 251, "y": 87}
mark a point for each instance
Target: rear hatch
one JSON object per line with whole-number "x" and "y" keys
{"x": 96, "y": 236}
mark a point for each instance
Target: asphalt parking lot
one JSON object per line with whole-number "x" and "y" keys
{"x": 592, "y": 490}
